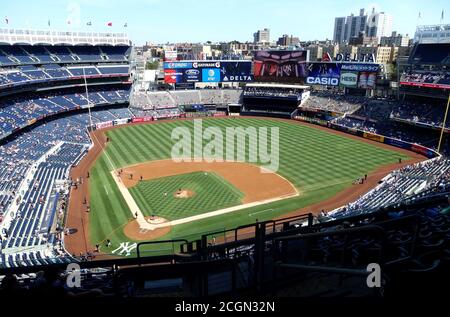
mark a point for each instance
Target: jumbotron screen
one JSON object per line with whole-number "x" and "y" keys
{"x": 280, "y": 66}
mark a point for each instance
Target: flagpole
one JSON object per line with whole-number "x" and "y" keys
{"x": 443, "y": 125}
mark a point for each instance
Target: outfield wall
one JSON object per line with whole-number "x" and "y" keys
{"x": 416, "y": 148}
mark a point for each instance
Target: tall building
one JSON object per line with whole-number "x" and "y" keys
{"x": 350, "y": 26}
{"x": 377, "y": 24}
{"x": 262, "y": 36}
{"x": 339, "y": 30}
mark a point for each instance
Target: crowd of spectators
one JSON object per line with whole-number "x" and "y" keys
{"x": 160, "y": 103}
{"x": 437, "y": 78}
{"x": 18, "y": 154}
{"x": 272, "y": 92}
{"x": 421, "y": 112}
{"x": 18, "y": 112}
{"x": 401, "y": 185}
{"x": 335, "y": 102}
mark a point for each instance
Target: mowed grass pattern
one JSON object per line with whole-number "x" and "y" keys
{"x": 211, "y": 192}
{"x": 319, "y": 163}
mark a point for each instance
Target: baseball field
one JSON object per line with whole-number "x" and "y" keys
{"x": 317, "y": 169}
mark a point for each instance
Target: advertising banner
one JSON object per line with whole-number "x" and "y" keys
{"x": 210, "y": 75}
{"x": 327, "y": 74}
{"x": 103, "y": 125}
{"x": 425, "y": 85}
{"x": 367, "y": 80}
{"x": 120, "y": 121}
{"x": 207, "y": 72}
{"x": 349, "y": 79}
{"x": 422, "y": 150}
{"x": 398, "y": 143}
{"x": 177, "y": 65}
{"x": 142, "y": 119}
{"x": 374, "y": 137}
{"x": 236, "y": 71}
{"x": 359, "y": 67}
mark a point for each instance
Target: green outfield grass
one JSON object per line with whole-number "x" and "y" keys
{"x": 211, "y": 192}
{"x": 318, "y": 163}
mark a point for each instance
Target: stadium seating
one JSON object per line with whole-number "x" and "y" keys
{"x": 33, "y": 75}
{"x": 335, "y": 102}
{"x": 430, "y": 54}
{"x": 18, "y": 113}
{"x": 167, "y": 104}
{"x": 31, "y": 225}
{"x": 401, "y": 185}
{"x": 27, "y": 54}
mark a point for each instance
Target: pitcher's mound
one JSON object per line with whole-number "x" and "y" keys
{"x": 183, "y": 194}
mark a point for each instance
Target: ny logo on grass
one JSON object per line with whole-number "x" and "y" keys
{"x": 125, "y": 248}
{"x": 235, "y": 144}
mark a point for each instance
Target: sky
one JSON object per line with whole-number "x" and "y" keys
{"x": 164, "y": 21}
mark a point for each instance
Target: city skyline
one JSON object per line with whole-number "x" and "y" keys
{"x": 198, "y": 21}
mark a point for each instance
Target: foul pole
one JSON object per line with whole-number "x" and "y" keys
{"x": 443, "y": 125}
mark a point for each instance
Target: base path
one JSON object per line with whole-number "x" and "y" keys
{"x": 258, "y": 188}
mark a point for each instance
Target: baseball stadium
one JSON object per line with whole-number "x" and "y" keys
{"x": 223, "y": 176}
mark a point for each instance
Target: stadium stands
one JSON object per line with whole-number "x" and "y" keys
{"x": 17, "y": 113}
{"x": 26, "y": 54}
{"x": 331, "y": 101}
{"x": 167, "y": 103}
{"x": 401, "y": 185}
{"x": 29, "y": 227}
{"x": 430, "y": 54}
{"x": 43, "y": 133}
{"x": 29, "y": 76}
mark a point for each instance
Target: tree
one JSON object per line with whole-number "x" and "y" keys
{"x": 152, "y": 65}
